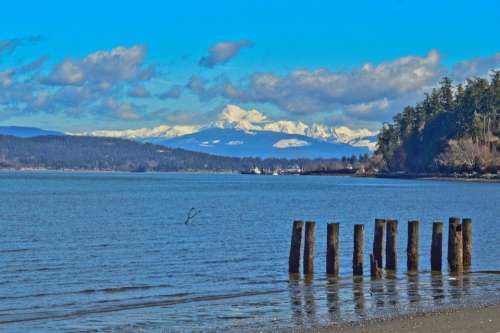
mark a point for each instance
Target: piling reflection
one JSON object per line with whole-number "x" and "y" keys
{"x": 455, "y": 287}
{"x": 332, "y": 298}
{"x": 413, "y": 288}
{"x": 377, "y": 292}
{"x": 392, "y": 290}
{"x": 358, "y": 296}
{"x": 337, "y": 300}
{"x": 309, "y": 298}
{"x": 295, "y": 293}
{"x": 437, "y": 289}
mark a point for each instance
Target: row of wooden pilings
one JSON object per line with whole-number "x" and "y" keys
{"x": 459, "y": 247}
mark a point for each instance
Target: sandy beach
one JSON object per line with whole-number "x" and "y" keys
{"x": 480, "y": 319}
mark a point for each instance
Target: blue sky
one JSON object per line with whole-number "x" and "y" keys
{"x": 289, "y": 59}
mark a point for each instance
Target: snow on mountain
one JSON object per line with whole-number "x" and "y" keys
{"x": 288, "y": 143}
{"x": 232, "y": 116}
{"x": 263, "y": 144}
{"x": 249, "y": 121}
{"x": 163, "y": 131}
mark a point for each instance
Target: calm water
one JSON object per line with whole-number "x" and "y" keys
{"x": 111, "y": 252}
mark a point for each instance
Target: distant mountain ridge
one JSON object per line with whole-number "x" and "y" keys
{"x": 263, "y": 144}
{"x": 235, "y": 119}
{"x": 26, "y": 132}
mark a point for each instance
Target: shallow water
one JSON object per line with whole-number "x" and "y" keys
{"x": 84, "y": 252}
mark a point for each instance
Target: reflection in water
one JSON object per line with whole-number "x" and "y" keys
{"x": 356, "y": 299}
{"x": 456, "y": 287}
{"x": 333, "y": 299}
{"x": 392, "y": 290}
{"x": 310, "y": 302}
{"x": 359, "y": 296}
{"x": 377, "y": 292}
{"x": 295, "y": 292}
{"x": 437, "y": 287}
{"x": 412, "y": 289}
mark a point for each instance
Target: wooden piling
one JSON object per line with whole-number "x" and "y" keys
{"x": 378, "y": 242}
{"x": 375, "y": 270}
{"x": 437, "y": 247}
{"x": 452, "y": 223}
{"x": 391, "y": 246}
{"x": 358, "y": 253}
{"x": 467, "y": 242}
{"x": 309, "y": 244}
{"x": 332, "y": 249}
{"x": 295, "y": 245}
{"x": 412, "y": 248}
{"x": 456, "y": 249}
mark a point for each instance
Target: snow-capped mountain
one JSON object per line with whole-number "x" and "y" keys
{"x": 235, "y": 117}
{"x": 239, "y": 143}
{"x": 163, "y": 131}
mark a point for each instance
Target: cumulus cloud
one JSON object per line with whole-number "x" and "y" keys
{"x": 103, "y": 67}
{"x": 305, "y": 91}
{"x": 123, "y": 110}
{"x": 382, "y": 104}
{"x": 138, "y": 91}
{"x": 475, "y": 67}
{"x": 173, "y": 93}
{"x": 94, "y": 84}
{"x": 360, "y": 93}
{"x": 222, "y": 52}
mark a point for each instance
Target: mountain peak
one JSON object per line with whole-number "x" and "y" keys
{"x": 252, "y": 120}
{"x": 232, "y": 116}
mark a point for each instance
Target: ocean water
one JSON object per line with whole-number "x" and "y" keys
{"x": 110, "y": 252}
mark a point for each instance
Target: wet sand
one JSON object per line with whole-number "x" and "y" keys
{"x": 480, "y": 319}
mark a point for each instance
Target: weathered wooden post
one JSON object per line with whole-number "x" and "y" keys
{"x": 295, "y": 245}
{"x": 358, "y": 253}
{"x": 375, "y": 271}
{"x": 467, "y": 242}
{"x": 437, "y": 247}
{"x": 391, "y": 247}
{"x": 456, "y": 250}
{"x": 309, "y": 244}
{"x": 412, "y": 248}
{"x": 332, "y": 249}
{"x": 452, "y": 223}
{"x": 378, "y": 242}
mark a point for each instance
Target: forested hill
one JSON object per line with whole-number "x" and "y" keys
{"x": 454, "y": 129}
{"x": 97, "y": 153}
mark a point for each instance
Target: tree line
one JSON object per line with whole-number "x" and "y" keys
{"x": 112, "y": 154}
{"x": 454, "y": 129}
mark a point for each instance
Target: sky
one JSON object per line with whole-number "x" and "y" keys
{"x": 132, "y": 64}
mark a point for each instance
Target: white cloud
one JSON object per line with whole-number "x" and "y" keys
{"x": 370, "y": 106}
{"x": 360, "y": 93}
{"x": 222, "y": 52}
{"x": 290, "y": 143}
{"x": 479, "y": 66}
{"x": 138, "y": 91}
{"x": 118, "y": 64}
{"x": 94, "y": 85}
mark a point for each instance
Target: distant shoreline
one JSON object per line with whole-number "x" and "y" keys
{"x": 474, "y": 179}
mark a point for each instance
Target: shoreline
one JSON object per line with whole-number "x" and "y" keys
{"x": 479, "y": 179}
{"x": 468, "y": 319}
